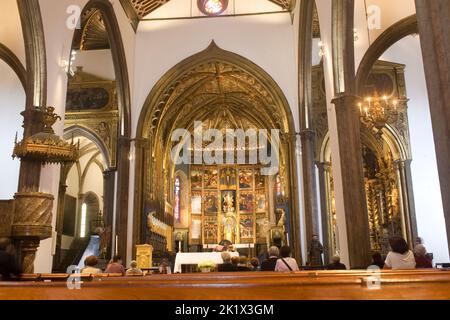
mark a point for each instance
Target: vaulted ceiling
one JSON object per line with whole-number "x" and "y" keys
{"x": 144, "y": 7}
{"x": 93, "y": 34}
{"x": 137, "y": 10}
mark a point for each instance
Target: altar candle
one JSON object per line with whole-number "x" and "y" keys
{"x": 360, "y": 108}
{"x": 395, "y": 105}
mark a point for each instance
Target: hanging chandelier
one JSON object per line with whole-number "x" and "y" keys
{"x": 378, "y": 111}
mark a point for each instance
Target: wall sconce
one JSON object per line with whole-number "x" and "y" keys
{"x": 355, "y": 35}
{"x": 321, "y": 49}
{"x": 67, "y": 66}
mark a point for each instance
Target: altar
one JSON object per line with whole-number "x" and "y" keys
{"x": 197, "y": 257}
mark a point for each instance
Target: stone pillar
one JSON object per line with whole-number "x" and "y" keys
{"x": 323, "y": 169}
{"x": 123, "y": 171}
{"x": 407, "y": 198}
{"x": 60, "y": 215}
{"x": 434, "y": 19}
{"x": 309, "y": 185}
{"x": 291, "y": 143}
{"x": 349, "y": 172}
{"x": 108, "y": 205}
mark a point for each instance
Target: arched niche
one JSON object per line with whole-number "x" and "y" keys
{"x": 255, "y": 102}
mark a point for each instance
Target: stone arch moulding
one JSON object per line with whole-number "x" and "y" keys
{"x": 11, "y": 60}
{"x": 156, "y": 111}
{"x": 389, "y": 37}
{"x": 213, "y": 52}
{"x": 119, "y": 62}
{"x": 78, "y": 131}
{"x": 120, "y": 229}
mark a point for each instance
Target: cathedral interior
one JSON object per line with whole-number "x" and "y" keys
{"x": 101, "y": 104}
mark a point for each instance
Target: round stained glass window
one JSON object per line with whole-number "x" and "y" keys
{"x": 212, "y": 7}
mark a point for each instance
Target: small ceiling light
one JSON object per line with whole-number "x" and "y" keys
{"x": 212, "y": 7}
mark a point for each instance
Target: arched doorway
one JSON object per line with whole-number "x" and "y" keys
{"x": 221, "y": 92}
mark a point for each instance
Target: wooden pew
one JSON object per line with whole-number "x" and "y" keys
{"x": 421, "y": 284}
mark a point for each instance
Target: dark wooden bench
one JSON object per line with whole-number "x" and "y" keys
{"x": 305, "y": 285}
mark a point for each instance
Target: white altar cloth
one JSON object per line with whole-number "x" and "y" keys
{"x": 197, "y": 257}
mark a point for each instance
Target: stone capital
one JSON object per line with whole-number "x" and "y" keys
{"x": 307, "y": 135}
{"x": 346, "y": 100}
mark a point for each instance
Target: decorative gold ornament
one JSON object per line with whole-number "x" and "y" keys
{"x": 46, "y": 147}
{"x": 377, "y": 112}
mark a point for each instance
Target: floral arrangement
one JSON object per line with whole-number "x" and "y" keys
{"x": 206, "y": 265}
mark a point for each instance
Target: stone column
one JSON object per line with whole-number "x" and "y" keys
{"x": 434, "y": 19}
{"x": 123, "y": 171}
{"x": 323, "y": 168}
{"x": 32, "y": 210}
{"x": 346, "y": 152}
{"x": 108, "y": 204}
{"x": 407, "y": 198}
{"x": 309, "y": 185}
{"x": 60, "y": 216}
{"x": 291, "y": 143}
{"x": 349, "y": 171}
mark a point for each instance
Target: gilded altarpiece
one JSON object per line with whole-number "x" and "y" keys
{"x": 91, "y": 105}
{"x": 384, "y": 154}
{"x": 228, "y": 202}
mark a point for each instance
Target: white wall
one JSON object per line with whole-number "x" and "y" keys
{"x": 391, "y": 12}
{"x": 12, "y": 97}
{"x": 265, "y": 40}
{"x": 429, "y": 211}
{"x": 12, "y": 103}
{"x": 11, "y": 28}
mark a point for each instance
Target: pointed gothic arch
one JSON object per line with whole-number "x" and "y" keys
{"x": 255, "y": 95}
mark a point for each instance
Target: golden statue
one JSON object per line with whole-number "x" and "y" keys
{"x": 229, "y": 227}
{"x": 228, "y": 201}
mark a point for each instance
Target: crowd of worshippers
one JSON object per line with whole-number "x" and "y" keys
{"x": 277, "y": 259}
{"x": 114, "y": 266}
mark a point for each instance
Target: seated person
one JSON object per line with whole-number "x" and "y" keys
{"x": 400, "y": 257}
{"x": 164, "y": 267}
{"x": 134, "y": 270}
{"x": 235, "y": 261}
{"x": 243, "y": 264}
{"x": 90, "y": 264}
{"x": 422, "y": 260}
{"x": 336, "y": 264}
{"x": 286, "y": 263}
{"x": 269, "y": 263}
{"x": 255, "y": 264}
{"x": 9, "y": 268}
{"x": 226, "y": 266}
{"x": 377, "y": 260}
{"x": 116, "y": 266}
{"x": 224, "y": 245}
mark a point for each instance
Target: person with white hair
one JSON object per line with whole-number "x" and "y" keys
{"x": 422, "y": 260}
{"x": 226, "y": 266}
{"x": 270, "y": 263}
{"x": 134, "y": 270}
{"x": 336, "y": 264}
